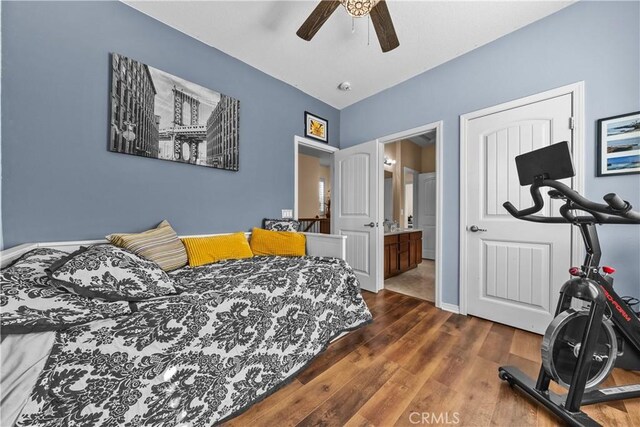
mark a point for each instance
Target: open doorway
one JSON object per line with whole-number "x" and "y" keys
{"x": 410, "y": 220}
{"x": 313, "y": 181}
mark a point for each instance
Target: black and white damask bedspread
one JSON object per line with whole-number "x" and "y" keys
{"x": 237, "y": 331}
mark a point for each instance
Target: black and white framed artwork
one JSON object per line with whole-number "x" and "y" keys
{"x": 156, "y": 114}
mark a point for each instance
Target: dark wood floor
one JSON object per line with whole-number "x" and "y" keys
{"x": 415, "y": 358}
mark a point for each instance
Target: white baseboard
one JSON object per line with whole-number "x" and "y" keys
{"x": 450, "y": 307}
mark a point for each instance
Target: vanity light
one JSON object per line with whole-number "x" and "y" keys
{"x": 388, "y": 161}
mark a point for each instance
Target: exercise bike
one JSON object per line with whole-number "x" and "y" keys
{"x": 594, "y": 329}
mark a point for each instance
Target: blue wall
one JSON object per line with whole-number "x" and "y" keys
{"x": 59, "y": 180}
{"x": 598, "y": 42}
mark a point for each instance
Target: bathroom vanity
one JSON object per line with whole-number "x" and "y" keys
{"x": 402, "y": 251}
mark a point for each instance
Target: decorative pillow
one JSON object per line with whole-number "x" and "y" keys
{"x": 160, "y": 245}
{"x": 205, "y": 250}
{"x": 281, "y": 243}
{"x": 29, "y": 302}
{"x": 281, "y": 224}
{"x": 110, "y": 273}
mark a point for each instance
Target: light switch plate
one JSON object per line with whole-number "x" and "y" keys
{"x": 287, "y": 213}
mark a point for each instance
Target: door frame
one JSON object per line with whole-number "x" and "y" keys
{"x": 576, "y": 90}
{"x": 438, "y": 127}
{"x": 309, "y": 143}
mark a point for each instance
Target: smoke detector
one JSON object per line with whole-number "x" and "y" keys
{"x": 344, "y": 86}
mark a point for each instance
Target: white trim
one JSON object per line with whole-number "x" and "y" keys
{"x": 297, "y": 141}
{"x": 379, "y": 218}
{"x": 450, "y": 307}
{"x": 578, "y": 104}
{"x": 315, "y": 144}
{"x": 329, "y": 245}
{"x": 576, "y": 90}
{"x": 439, "y": 128}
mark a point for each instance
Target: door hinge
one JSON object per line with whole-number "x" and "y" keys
{"x": 572, "y": 123}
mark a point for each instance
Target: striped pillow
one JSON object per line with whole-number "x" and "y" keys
{"x": 160, "y": 245}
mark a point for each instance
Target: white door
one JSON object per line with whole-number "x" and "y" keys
{"x": 515, "y": 268}
{"x": 358, "y": 178}
{"x": 427, "y": 213}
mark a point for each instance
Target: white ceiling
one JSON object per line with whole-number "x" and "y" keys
{"x": 263, "y": 34}
{"x": 424, "y": 139}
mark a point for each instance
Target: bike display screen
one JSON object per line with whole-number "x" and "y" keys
{"x": 552, "y": 162}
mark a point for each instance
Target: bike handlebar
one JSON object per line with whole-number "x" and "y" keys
{"x": 616, "y": 210}
{"x": 615, "y": 202}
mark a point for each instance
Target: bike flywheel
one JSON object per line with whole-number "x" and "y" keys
{"x": 561, "y": 347}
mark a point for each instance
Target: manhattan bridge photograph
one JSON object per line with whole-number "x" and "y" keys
{"x": 156, "y": 114}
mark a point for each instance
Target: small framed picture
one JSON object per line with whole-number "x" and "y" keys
{"x": 316, "y": 127}
{"x": 619, "y": 145}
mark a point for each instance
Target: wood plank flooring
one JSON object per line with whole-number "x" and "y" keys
{"x": 415, "y": 358}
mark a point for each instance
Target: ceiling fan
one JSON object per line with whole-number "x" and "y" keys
{"x": 376, "y": 9}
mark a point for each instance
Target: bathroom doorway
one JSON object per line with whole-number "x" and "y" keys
{"x": 410, "y": 208}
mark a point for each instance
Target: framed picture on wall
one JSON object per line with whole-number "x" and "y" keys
{"x": 158, "y": 115}
{"x": 316, "y": 127}
{"x": 619, "y": 145}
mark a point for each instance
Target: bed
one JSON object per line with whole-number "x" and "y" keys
{"x": 235, "y": 332}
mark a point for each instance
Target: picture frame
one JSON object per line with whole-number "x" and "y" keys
{"x": 619, "y": 145}
{"x": 316, "y": 127}
{"x": 158, "y": 115}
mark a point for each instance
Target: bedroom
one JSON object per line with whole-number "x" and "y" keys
{"x": 60, "y": 182}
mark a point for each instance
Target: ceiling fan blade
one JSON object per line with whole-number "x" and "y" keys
{"x": 318, "y": 17}
{"x": 384, "y": 27}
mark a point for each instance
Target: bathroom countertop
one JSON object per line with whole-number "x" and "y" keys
{"x": 402, "y": 231}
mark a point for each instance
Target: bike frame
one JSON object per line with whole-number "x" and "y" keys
{"x": 595, "y": 289}
{"x": 542, "y": 168}
{"x": 622, "y": 316}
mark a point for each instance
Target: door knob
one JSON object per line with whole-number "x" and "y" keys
{"x": 475, "y": 229}
{"x": 371, "y": 224}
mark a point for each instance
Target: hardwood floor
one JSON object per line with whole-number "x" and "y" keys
{"x": 416, "y": 359}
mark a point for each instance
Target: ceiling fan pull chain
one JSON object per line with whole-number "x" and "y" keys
{"x": 353, "y": 25}
{"x": 368, "y": 30}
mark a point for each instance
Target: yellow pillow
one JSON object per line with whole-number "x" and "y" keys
{"x": 205, "y": 250}
{"x": 282, "y": 243}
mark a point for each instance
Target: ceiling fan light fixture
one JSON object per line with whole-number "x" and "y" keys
{"x": 376, "y": 9}
{"x": 358, "y": 8}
